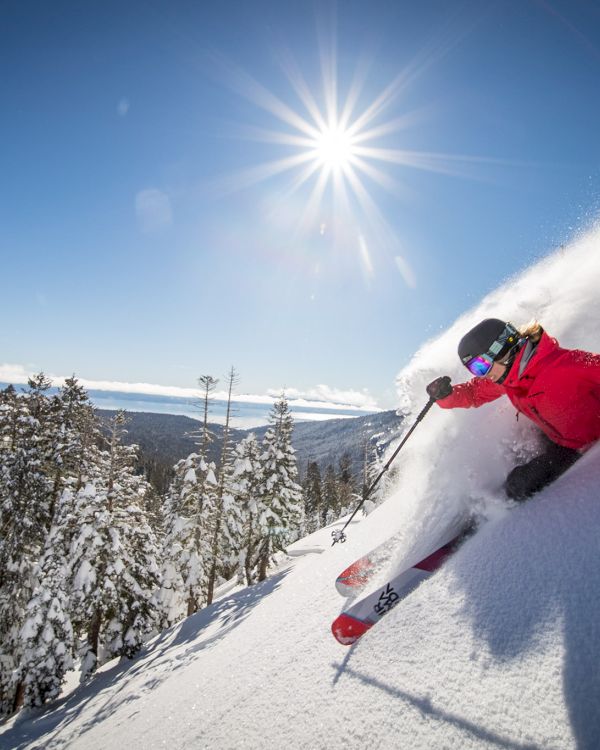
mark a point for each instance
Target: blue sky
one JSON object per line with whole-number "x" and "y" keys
{"x": 135, "y": 247}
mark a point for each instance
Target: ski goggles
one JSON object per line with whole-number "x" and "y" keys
{"x": 479, "y": 366}
{"x": 502, "y": 346}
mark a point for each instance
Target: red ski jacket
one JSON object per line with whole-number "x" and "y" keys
{"x": 559, "y": 390}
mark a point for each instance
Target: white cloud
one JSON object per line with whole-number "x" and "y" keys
{"x": 153, "y": 210}
{"x": 14, "y": 373}
{"x": 123, "y": 107}
{"x": 322, "y": 395}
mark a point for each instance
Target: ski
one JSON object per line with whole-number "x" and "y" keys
{"x": 350, "y": 625}
{"x": 353, "y": 579}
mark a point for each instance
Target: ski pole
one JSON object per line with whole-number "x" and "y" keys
{"x": 338, "y": 534}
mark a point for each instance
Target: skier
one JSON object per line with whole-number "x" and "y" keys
{"x": 558, "y": 389}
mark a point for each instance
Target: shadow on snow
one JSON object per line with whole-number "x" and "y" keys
{"x": 175, "y": 647}
{"x": 545, "y": 574}
{"x": 536, "y": 568}
{"x": 426, "y": 708}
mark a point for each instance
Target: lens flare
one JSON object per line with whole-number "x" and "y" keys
{"x": 340, "y": 149}
{"x": 334, "y": 148}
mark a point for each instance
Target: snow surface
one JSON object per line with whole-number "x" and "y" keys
{"x": 499, "y": 649}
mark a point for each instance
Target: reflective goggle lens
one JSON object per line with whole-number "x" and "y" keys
{"x": 479, "y": 366}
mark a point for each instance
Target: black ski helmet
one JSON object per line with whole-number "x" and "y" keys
{"x": 479, "y": 339}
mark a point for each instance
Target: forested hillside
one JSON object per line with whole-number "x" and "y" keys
{"x": 93, "y": 559}
{"x": 165, "y": 438}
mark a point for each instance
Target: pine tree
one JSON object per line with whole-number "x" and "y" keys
{"x": 138, "y": 578}
{"x": 189, "y": 509}
{"x": 188, "y": 523}
{"x": 138, "y": 581}
{"x": 346, "y": 499}
{"x": 93, "y": 597}
{"x": 113, "y": 557}
{"x": 208, "y": 384}
{"x": 77, "y": 436}
{"x": 25, "y": 508}
{"x": 279, "y": 492}
{"x": 72, "y": 521}
{"x": 244, "y": 517}
{"x": 330, "y": 497}
{"x": 47, "y": 636}
{"x": 42, "y": 640}
{"x": 373, "y": 466}
{"x": 224, "y": 498}
{"x": 313, "y": 497}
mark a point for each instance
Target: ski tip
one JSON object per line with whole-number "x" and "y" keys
{"x": 347, "y": 629}
{"x": 350, "y": 587}
{"x": 354, "y": 577}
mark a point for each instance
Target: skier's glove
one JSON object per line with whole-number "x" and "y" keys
{"x": 439, "y": 388}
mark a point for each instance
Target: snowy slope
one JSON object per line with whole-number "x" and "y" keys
{"x": 499, "y": 649}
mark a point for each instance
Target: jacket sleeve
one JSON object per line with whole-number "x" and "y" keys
{"x": 475, "y": 392}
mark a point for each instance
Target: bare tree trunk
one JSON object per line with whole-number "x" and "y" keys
{"x": 208, "y": 384}
{"x": 263, "y": 561}
{"x": 192, "y": 605}
{"x": 249, "y": 561}
{"x": 93, "y": 634}
{"x": 19, "y": 697}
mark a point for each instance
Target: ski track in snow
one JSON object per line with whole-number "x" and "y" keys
{"x": 497, "y": 650}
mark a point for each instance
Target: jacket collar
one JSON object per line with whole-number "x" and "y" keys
{"x": 545, "y": 347}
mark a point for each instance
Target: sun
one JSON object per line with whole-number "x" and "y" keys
{"x": 334, "y": 148}
{"x": 339, "y": 149}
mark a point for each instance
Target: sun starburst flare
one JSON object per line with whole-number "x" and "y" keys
{"x": 341, "y": 152}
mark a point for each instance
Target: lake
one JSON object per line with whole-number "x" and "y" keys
{"x": 246, "y": 415}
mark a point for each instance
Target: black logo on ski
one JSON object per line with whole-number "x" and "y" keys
{"x": 387, "y": 600}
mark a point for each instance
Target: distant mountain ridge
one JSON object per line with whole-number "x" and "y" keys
{"x": 168, "y": 438}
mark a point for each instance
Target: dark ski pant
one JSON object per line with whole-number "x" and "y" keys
{"x": 527, "y": 479}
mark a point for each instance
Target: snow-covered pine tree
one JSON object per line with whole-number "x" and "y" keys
{"x": 11, "y": 609}
{"x": 221, "y": 545}
{"x": 189, "y": 509}
{"x": 78, "y": 436}
{"x": 63, "y": 433}
{"x": 47, "y": 640}
{"x": 374, "y": 454}
{"x": 346, "y": 497}
{"x": 177, "y": 538}
{"x": 25, "y": 506}
{"x": 47, "y": 635}
{"x": 188, "y": 517}
{"x": 330, "y": 497}
{"x": 114, "y": 557}
{"x": 93, "y": 597}
{"x": 279, "y": 492}
{"x": 313, "y": 497}
{"x": 139, "y": 581}
{"x": 245, "y": 514}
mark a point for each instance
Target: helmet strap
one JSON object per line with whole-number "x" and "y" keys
{"x": 510, "y": 360}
